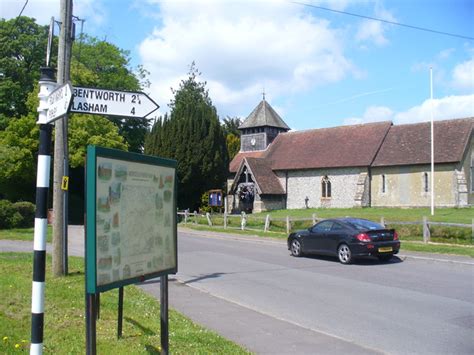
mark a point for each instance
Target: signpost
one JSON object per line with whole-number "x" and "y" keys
{"x": 112, "y": 103}
{"x": 131, "y": 233}
{"x": 58, "y": 104}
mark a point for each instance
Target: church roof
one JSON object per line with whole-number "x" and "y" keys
{"x": 235, "y": 163}
{"x": 411, "y": 143}
{"x": 343, "y": 146}
{"x": 264, "y": 115}
{"x": 267, "y": 181}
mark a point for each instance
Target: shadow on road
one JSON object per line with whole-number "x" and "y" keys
{"x": 214, "y": 275}
{"x": 366, "y": 261}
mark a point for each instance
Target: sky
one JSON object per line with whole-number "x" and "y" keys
{"x": 318, "y": 68}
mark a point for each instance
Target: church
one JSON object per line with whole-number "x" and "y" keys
{"x": 375, "y": 164}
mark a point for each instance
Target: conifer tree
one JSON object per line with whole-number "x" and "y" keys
{"x": 191, "y": 134}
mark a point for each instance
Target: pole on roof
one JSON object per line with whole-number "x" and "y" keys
{"x": 432, "y": 144}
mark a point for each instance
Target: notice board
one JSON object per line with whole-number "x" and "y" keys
{"x": 131, "y": 233}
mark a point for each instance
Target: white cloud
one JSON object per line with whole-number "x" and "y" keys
{"x": 241, "y": 48}
{"x": 445, "y": 108}
{"x": 448, "y": 107}
{"x": 43, "y": 10}
{"x": 445, "y": 54}
{"x": 372, "y": 114}
{"x": 374, "y": 31}
{"x": 463, "y": 75}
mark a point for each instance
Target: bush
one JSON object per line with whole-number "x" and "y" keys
{"x": 27, "y": 212}
{"x": 7, "y": 211}
{"x": 16, "y": 215}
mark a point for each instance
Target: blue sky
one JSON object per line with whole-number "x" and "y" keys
{"x": 318, "y": 68}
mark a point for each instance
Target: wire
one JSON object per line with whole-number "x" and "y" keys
{"x": 386, "y": 21}
{"x": 26, "y": 2}
{"x": 17, "y": 18}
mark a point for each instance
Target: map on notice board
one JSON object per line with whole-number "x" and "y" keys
{"x": 135, "y": 224}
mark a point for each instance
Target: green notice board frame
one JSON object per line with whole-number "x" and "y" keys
{"x": 131, "y": 230}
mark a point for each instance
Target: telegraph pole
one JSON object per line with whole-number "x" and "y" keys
{"x": 60, "y": 147}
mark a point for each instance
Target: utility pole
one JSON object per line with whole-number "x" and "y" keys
{"x": 60, "y": 147}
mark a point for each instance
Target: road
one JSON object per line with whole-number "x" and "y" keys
{"x": 253, "y": 292}
{"x": 411, "y": 305}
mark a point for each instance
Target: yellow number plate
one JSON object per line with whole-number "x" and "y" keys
{"x": 385, "y": 250}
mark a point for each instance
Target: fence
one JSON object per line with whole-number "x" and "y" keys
{"x": 425, "y": 230}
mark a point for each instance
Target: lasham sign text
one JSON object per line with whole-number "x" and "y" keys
{"x": 111, "y": 102}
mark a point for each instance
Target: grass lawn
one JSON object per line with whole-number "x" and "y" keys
{"x": 453, "y": 215}
{"x": 64, "y": 330}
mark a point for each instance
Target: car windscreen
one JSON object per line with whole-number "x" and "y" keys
{"x": 361, "y": 224}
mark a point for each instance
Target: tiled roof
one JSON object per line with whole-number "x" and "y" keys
{"x": 235, "y": 163}
{"x": 264, "y": 115}
{"x": 411, "y": 143}
{"x": 344, "y": 146}
{"x": 265, "y": 178}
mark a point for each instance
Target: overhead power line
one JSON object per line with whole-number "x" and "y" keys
{"x": 385, "y": 21}
{"x": 26, "y": 2}
{"x": 17, "y": 18}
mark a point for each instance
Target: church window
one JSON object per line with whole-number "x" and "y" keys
{"x": 384, "y": 184}
{"x": 326, "y": 187}
{"x": 425, "y": 182}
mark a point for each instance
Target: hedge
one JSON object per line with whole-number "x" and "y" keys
{"x": 16, "y": 215}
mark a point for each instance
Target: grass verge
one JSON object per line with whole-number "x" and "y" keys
{"x": 64, "y": 330}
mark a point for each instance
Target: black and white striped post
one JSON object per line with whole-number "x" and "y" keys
{"x": 46, "y": 84}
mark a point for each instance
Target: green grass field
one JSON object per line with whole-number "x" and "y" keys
{"x": 64, "y": 317}
{"x": 452, "y": 215}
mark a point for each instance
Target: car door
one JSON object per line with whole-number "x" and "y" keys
{"x": 333, "y": 237}
{"x": 317, "y": 236}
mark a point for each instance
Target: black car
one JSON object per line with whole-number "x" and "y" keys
{"x": 346, "y": 238}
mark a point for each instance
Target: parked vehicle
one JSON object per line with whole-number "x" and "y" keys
{"x": 346, "y": 238}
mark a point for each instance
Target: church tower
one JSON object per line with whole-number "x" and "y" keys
{"x": 261, "y": 127}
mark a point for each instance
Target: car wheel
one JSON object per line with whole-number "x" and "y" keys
{"x": 344, "y": 254}
{"x": 295, "y": 248}
{"x": 385, "y": 258}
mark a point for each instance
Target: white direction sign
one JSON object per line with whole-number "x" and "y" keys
{"x": 111, "y": 102}
{"x": 58, "y": 103}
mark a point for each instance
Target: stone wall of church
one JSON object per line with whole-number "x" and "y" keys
{"x": 269, "y": 203}
{"x": 410, "y": 186}
{"x": 468, "y": 168}
{"x": 304, "y": 184}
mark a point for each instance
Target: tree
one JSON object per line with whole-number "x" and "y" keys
{"x": 231, "y": 125}
{"x": 233, "y": 145}
{"x": 231, "y": 128}
{"x": 192, "y": 135}
{"x": 19, "y": 147}
{"x": 22, "y": 52}
{"x": 85, "y": 130}
{"x": 101, "y": 64}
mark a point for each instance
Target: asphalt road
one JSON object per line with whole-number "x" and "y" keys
{"x": 253, "y": 292}
{"x": 411, "y": 305}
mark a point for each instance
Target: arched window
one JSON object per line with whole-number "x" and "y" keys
{"x": 325, "y": 187}
{"x": 384, "y": 184}
{"x": 425, "y": 182}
